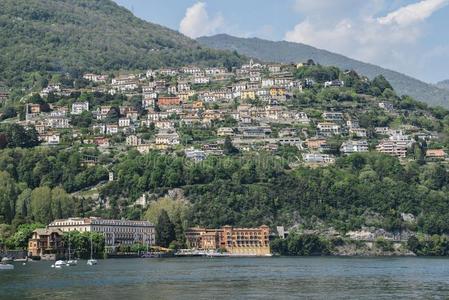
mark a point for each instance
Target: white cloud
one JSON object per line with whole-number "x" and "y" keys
{"x": 197, "y": 22}
{"x": 413, "y": 13}
{"x": 330, "y": 10}
{"x": 307, "y": 6}
{"x": 390, "y": 41}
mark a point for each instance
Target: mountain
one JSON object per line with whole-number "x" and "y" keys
{"x": 89, "y": 35}
{"x": 443, "y": 84}
{"x": 287, "y": 52}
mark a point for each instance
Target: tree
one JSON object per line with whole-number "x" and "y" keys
{"x": 23, "y": 204}
{"x": 113, "y": 115}
{"x": 3, "y": 141}
{"x": 62, "y": 205}
{"x": 20, "y": 238}
{"x": 36, "y": 98}
{"x": 8, "y": 195}
{"x": 18, "y": 136}
{"x": 165, "y": 230}
{"x": 41, "y": 209}
{"x": 179, "y": 230}
{"x": 10, "y": 112}
{"x": 413, "y": 244}
{"x": 169, "y": 205}
{"x": 84, "y": 120}
{"x": 228, "y": 147}
{"x": 381, "y": 83}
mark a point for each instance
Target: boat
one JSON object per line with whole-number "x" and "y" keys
{"x": 150, "y": 255}
{"x": 59, "y": 264}
{"x": 4, "y": 266}
{"x": 21, "y": 259}
{"x": 217, "y": 254}
{"x": 71, "y": 262}
{"x": 6, "y": 259}
{"x": 91, "y": 261}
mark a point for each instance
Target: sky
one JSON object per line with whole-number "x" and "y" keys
{"x": 409, "y": 36}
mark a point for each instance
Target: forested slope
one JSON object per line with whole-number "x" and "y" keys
{"x": 86, "y": 35}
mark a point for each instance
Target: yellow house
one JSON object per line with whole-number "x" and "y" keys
{"x": 183, "y": 96}
{"x": 198, "y": 104}
{"x": 248, "y": 94}
{"x": 277, "y": 91}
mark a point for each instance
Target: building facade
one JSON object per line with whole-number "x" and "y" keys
{"x": 237, "y": 241}
{"x": 46, "y": 243}
{"x": 116, "y": 232}
{"x": 349, "y": 147}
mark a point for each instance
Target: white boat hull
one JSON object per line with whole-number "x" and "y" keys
{"x": 60, "y": 263}
{"x": 6, "y": 267}
{"x": 92, "y": 262}
{"x": 72, "y": 263}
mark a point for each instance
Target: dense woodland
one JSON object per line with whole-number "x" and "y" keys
{"x": 42, "y": 36}
{"x": 244, "y": 191}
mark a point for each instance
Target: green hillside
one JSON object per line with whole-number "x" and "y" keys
{"x": 88, "y": 35}
{"x": 287, "y": 52}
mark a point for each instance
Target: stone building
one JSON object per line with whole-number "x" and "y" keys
{"x": 236, "y": 241}
{"x": 116, "y": 232}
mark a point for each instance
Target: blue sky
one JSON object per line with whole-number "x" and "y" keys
{"x": 409, "y": 36}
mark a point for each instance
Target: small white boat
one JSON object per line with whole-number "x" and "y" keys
{"x": 217, "y": 254}
{"x": 59, "y": 264}
{"x": 6, "y": 267}
{"x": 72, "y": 262}
{"x": 21, "y": 260}
{"x": 92, "y": 262}
{"x": 6, "y": 259}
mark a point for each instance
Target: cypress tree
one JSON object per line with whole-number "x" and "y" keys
{"x": 165, "y": 230}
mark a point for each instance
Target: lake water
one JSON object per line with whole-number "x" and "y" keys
{"x": 232, "y": 278}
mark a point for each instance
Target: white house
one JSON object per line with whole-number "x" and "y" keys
{"x": 328, "y": 128}
{"x": 79, "y": 107}
{"x": 133, "y": 140}
{"x": 194, "y": 154}
{"x": 349, "y": 147}
{"x": 111, "y": 129}
{"x": 124, "y": 122}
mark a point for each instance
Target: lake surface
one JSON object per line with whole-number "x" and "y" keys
{"x": 232, "y": 278}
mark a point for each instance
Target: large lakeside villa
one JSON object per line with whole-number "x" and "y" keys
{"x": 237, "y": 241}
{"x": 47, "y": 243}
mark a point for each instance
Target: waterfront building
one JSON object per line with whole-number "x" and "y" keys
{"x": 46, "y": 243}
{"x": 237, "y": 241}
{"x": 116, "y": 232}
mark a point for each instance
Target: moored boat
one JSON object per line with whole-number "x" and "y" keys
{"x": 59, "y": 264}
{"x": 6, "y": 259}
{"x": 4, "y": 266}
{"x": 72, "y": 262}
{"x": 21, "y": 259}
{"x": 91, "y": 261}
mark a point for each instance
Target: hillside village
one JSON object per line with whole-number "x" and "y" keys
{"x": 214, "y": 111}
{"x": 149, "y": 120}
